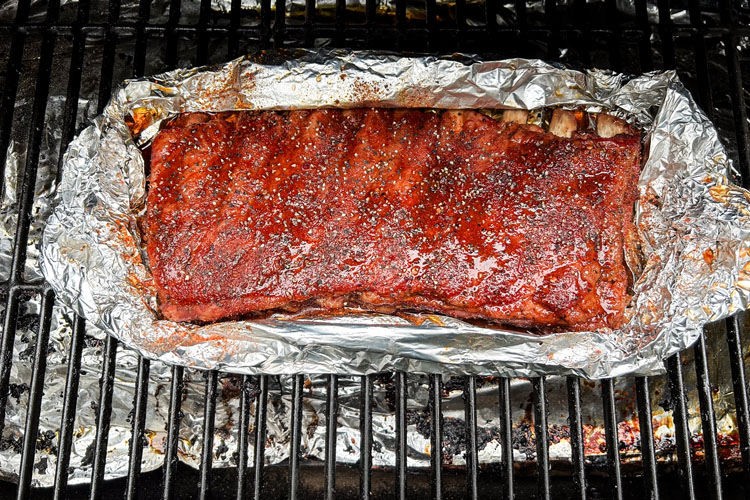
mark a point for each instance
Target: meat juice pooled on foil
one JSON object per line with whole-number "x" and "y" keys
{"x": 388, "y": 210}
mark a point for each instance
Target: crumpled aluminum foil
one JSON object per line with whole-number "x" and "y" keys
{"x": 693, "y": 224}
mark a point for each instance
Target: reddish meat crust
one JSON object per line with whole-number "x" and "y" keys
{"x": 450, "y": 212}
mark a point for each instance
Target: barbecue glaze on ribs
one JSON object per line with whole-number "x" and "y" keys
{"x": 450, "y": 212}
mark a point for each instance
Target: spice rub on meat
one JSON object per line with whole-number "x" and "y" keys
{"x": 450, "y": 212}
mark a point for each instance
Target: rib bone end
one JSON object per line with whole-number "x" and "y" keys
{"x": 563, "y": 123}
{"x": 609, "y": 126}
{"x": 516, "y": 116}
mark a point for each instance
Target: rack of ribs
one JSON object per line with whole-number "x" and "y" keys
{"x": 449, "y": 212}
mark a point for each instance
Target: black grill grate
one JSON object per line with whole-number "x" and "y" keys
{"x": 596, "y": 37}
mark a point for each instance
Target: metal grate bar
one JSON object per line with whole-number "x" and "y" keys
{"x": 644, "y": 40}
{"x": 32, "y": 156}
{"x": 202, "y": 54}
{"x": 472, "y": 452}
{"x": 734, "y": 323}
{"x": 207, "y": 450}
{"x": 665, "y": 32}
{"x": 106, "y": 385}
{"x": 736, "y": 92}
{"x": 110, "y": 351}
{"x": 108, "y": 59}
{"x": 340, "y": 21}
{"x": 140, "y": 405}
{"x": 615, "y": 39}
{"x": 553, "y": 40}
{"x": 27, "y": 195}
{"x": 265, "y": 23}
{"x": 261, "y": 410}
{"x": 365, "y": 432}
{"x": 173, "y": 431}
{"x": 6, "y": 349}
{"x": 140, "y": 398}
{"x": 244, "y": 436}
{"x": 584, "y": 41}
{"x": 10, "y": 84}
{"x": 370, "y": 11}
{"x": 74, "y": 82}
{"x": 172, "y": 38}
{"x": 400, "y": 381}
{"x": 708, "y": 420}
{"x": 506, "y": 436}
{"x": 610, "y": 431}
{"x": 460, "y": 16}
{"x": 296, "y": 436}
{"x": 308, "y": 23}
{"x": 701, "y": 62}
{"x": 490, "y": 13}
{"x": 332, "y": 411}
{"x": 541, "y": 432}
{"x": 400, "y": 23}
{"x": 739, "y": 383}
{"x": 279, "y": 25}
{"x": 576, "y": 436}
{"x": 36, "y": 392}
{"x": 233, "y": 49}
{"x": 400, "y": 14}
{"x": 436, "y": 434}
{"x": 139, "y": 55}
{"x": 431, "y": 21}
{"x": 682, "y": 432}
{"x": 643, "y": 397}
{"x": 69, "y": 408}
{"x": 461, "y": 25}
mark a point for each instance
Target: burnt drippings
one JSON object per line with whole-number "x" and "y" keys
{"x": 524, "y": 440}
{"x": 221, "y": 449}
{"x": 28, "y": 320}
{"x": 17, "y": 390}
{"x": 47, "y": 441}
{"x": 88, "y": 456}
{"x": 12, "y": 442}
{"x": 230, "y": 386}
{"x": 41, "y": 466}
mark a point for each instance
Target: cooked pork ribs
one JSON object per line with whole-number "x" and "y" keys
{"x": 449, "y": 212}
